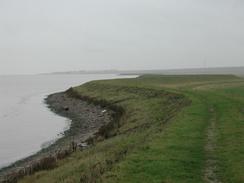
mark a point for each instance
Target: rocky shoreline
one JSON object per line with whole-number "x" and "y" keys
{"x": 88, "y": 118}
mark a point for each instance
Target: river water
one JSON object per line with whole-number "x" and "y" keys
{"x": 26, "y": 124}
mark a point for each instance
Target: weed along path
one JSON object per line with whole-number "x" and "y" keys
{"x": 224, "y": 133}
{"x": 172, "y": 129}
{"x": 210, "y": 149}
{"x": 210, "y": 166}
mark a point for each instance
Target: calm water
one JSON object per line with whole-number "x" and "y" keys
{"x": 26, "y": 124}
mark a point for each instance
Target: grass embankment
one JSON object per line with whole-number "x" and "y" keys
{"x": 163, "y": 133}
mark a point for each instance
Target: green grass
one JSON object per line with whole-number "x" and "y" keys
{"x": 162, "y": 134}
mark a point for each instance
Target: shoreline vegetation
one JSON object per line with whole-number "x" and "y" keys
{"x": 154, "y": 128}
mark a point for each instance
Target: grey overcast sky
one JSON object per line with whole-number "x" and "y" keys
{"x": 57, "y": 35}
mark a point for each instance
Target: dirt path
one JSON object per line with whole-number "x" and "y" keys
{"x": 210, "y": 149}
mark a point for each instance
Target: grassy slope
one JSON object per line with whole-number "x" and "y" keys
{"x": 161, "y": 138}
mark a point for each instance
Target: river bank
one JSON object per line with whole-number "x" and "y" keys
{"x": 86, "y": 118}
{"x": 24, "y": 116}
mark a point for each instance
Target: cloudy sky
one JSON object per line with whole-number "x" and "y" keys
{"x": 57, "y": 35}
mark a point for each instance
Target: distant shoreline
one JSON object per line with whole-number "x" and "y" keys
{"x": 177, "y": 71}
